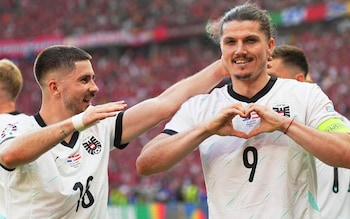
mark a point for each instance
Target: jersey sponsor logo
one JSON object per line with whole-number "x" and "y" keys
{"x": 253, "y": 115}
{"x": 74, "y": 157}
{"x": 92, "y": 145}
{"x": 249, "y": 123}
{"x": 74, "y": 160}
{"x": 282, "y": 109}
{"x": 9, "y": 130}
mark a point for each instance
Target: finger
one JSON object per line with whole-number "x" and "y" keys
{"x": 236, "y": 109}
{"x": 254, "y": 132}
{"x": 240, "y": 134}
{"x": 111, "y": 107}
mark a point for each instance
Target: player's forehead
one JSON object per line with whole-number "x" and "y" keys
{"x": 83, "y": 68}
{"x": 277, "y": 68}
{"x": 242, "y": 29}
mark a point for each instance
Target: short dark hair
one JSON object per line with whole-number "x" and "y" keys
{"x": 292, "y": 56}
{"x": 247, "y": 11}
{"x": 58, "y": 57}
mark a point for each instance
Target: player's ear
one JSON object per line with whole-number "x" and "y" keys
{"x": 53, "y": 87}
{"x": 270, "y": 46}
{"x": 300, "y": 77}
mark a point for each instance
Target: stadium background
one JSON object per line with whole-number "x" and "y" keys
{"x": 141, "y": 47}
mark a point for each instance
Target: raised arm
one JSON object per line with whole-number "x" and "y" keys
{"x": 151, "y": 112}
{"x": 164, "y": 151}
{"x": 333, "y": 148}
{"x": 27, "y": 147}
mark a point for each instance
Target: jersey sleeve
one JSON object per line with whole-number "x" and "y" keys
{"x": 15, "y": 126}
{"x": 118, "y": 131}
{"x": 183, "y": 118}
{"x": 320, "y": 107}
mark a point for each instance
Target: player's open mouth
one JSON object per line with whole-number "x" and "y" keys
{"x": 241, "y": 61}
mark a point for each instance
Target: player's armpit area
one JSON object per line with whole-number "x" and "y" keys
{"x": 333, "y": 125}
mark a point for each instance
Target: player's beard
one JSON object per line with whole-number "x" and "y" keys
{"x": 76, "y": 105}
{"x": 250, "y": 75}
{"x": 243, "y": 77}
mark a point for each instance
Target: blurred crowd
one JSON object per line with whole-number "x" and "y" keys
{"x": 74, "y": 17}
{"x": 134, "y": 74}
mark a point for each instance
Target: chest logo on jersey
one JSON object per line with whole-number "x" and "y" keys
{"x": 253, "y": 120}
{"x": 74, "y": 160}
{"x": 282, "y": 109}
{"x": 92, "y": 145}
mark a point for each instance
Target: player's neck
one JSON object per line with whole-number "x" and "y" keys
{"x": 249, "y": 88}
{"x": 7, "y": 107}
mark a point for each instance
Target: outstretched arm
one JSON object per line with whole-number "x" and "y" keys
{"x": 164, "y": 151}
{"x": 151, "y": 112}
{"x": 333, "y": 148}
{"x": 27, "y": 147}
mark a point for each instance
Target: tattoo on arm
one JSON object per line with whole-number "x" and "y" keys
{"x": 62, "y": 132}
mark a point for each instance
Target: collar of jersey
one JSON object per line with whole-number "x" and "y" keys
{"x": 69, "y": 144}
{"x": 257, "y": 96}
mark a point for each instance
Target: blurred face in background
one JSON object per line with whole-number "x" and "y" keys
{"x": 280, "y": 70}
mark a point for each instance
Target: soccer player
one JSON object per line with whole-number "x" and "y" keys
{"x": 257, "y": 136}
{"x": 57, "y": 161}
{"x": 11, "y": 83}
{"x": 333, "y": 195}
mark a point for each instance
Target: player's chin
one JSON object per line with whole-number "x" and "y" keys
{"x": 86, "y": 104}
{"x": 243, "y": 77}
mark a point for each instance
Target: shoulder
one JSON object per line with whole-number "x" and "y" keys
{"x": 292, "y": 85}
{"x": 287, "y": 81}
{"x": 9, "y": 118}
{"x": 13, "y": 125}
{"x": 215, "y": 94}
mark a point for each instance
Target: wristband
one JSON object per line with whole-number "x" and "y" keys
{"x": 77, "y": 121}
{"x": 285, "y": 132}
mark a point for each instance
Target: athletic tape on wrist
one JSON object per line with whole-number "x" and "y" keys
{"x": 77, "y": 121}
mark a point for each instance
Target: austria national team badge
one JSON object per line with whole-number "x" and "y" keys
{"x": 92, "y": 145}
{"x": 8, "y": 131}
{"x": 282, "y": 109}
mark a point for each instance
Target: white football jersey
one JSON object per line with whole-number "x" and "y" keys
{"x": 333, "y": 194}
{"x": 266, "y": 176}
{"x": 68, "y": 181}
{"x": 7, "y": 119}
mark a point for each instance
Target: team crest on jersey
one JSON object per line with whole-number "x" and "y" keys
{"x": 92, "y": 145}
{"x": 282, "y": 109}
{"x": 9, "y": 130}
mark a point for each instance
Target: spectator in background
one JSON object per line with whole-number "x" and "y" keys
{"x": 333, "y": 196}
{"x": 57, "y": 160}
{"x": 256, "y": 137}
{"x": 11, "y": 83}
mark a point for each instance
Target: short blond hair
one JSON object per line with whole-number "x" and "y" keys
{"x": 11, "y": 81}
